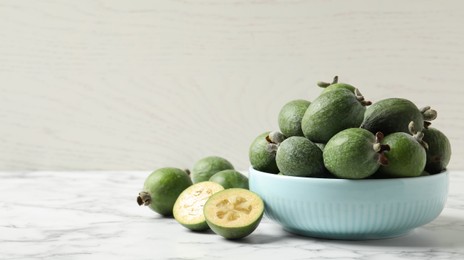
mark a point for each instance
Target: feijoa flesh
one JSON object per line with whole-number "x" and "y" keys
{"x": 290, "y": 117}
{"x": 162, "y": 188}
{"x": 188, "y": 208}
{"x": 206, "y": 167}
{"x": 234, "y": 213}
{"x": 230, "y": 179}
{"x": 332, "y": 112}
{"x": 298, "y": 156}
{"x": 438, "y": 152}
{"x": 354, "y": 153}
{"x": 394, "y": 114}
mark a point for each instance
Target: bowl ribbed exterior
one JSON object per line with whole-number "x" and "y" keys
{"x": 350, "y": 209}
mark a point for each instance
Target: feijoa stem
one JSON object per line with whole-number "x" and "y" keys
{"x": 144, "y": 198}
{"x": 381, "y": 148}
{"x": 418, "y": 135}
{"x": 323, "y": 84}
{"x": 360, "y": 98}
{"x": 275, "y": 137}
{"x": 428, "y": 113}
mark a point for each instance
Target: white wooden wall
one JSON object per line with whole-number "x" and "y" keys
{"x": 137, "y": 85}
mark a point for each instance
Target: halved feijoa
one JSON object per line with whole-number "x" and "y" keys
{"x": 439, "y": 150}
{"x": 188, "y": 209}
{"x": 234, "y": 213}
{"x": 230, "y": 179}
{"x": 161, "y": 189}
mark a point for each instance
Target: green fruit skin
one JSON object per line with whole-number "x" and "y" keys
{"x": 392, "y": 115}
{"x": 406, "y": 157}
{"x": 331, "y": 113}
{"x": 201, "y": 226}
{"x": 438, "y": 152}
{"x": 290, "y": 117}
{"x": 339, "y": 85}
{"x": 208, "y": 166}
{"x": 260, "y": 157}
{"x": 350, "y": 154}
{"x": 230, "y": 179}
{"x": 164, "y": 186}
{"x": 237, "y": 232}
{"x": 298, "y": 156}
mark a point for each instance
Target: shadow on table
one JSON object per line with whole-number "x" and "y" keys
{"x": 447, "y": 231}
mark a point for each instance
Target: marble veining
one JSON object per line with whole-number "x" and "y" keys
{"x": 94, "y": 215}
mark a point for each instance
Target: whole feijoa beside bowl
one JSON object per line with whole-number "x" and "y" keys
{"x": 206, "y": 167}
{"x": 230, "y": 179}
{"x": 350, "y": 209}
{"x": 162, "y": 188}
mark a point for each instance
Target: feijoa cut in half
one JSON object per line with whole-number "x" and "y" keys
{"x": 438, "y": 152}
{"x": 354, "y": 153}
{"x": 332, "y": 112}
{"x": 206, "y": 167}
{"x": 262, "y": 151}
{"x": 162, "y": 188}
{"x": 188, "y": 209}
{"x": 234, "y": 213}
{"x": 394, "y": 114}
{"x": 290, "y": 117}
{"x": 230, "y": 179}
{"x": 407, "y": 155}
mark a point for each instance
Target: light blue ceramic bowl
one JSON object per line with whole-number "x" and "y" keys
{"x": 350, "y": 209}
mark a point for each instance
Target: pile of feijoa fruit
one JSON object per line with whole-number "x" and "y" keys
{"x": 340, "y": 134}
{"x": 211, "y": 196}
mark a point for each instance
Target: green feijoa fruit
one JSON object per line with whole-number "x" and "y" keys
{"x": 290, "y": 116}
{"x": 438, "y": 152}
{"x": 262, "y": 151}
{"x": 161, "y": 189}
{"x": 354, "y": 153}
{"x": 188, "y": 209}
{"x": 230, "y": 179}
{"x": 394, "y": 114}
{"x": 234, "y": 213}
{"x": 206, "y": 167}
{"x": 331, "y": 113}
{"x": 406, "y": 157}
{"x": 298, "y": 156}
{"x": 334, "y": 85}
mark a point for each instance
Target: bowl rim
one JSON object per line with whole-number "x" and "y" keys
{"x": 339, "y": 180}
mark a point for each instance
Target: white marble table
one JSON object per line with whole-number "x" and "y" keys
{"x": 94, "y": 215}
